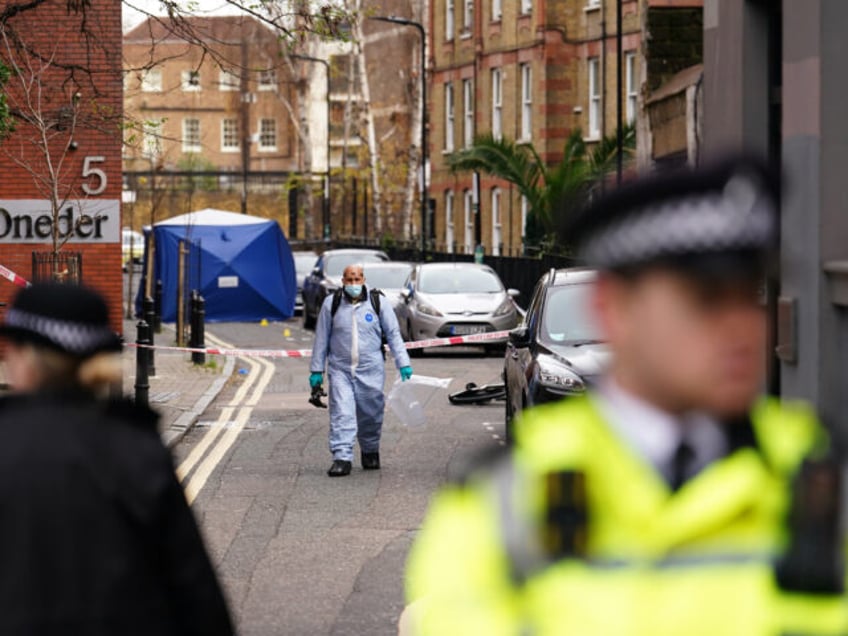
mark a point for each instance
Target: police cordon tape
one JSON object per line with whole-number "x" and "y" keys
{"x": 477, "y": 338}
{"x": 8, "y": 274}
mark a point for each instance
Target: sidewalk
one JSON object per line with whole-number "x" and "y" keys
{"x": 180, "y": 391}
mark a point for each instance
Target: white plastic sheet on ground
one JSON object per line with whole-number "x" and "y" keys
{"x": 408, "y": 400}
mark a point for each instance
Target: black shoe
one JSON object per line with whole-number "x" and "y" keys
{"x": 340, "y": 468}
{"x": 371, "y": 461}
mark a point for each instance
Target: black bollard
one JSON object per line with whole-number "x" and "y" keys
{"x": 142, "y": 380}
{"x": 198, "y": 320}
{"x": 157, "y": 307}
{"x": 148, "y": 315}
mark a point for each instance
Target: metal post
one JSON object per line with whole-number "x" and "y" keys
{"x": 619, "y": 135}
{"x": 198, "y": 319}
{"x": 142, "y": 381}
{"x": 157, "y": 307}
{"x": 148, "y": 316}
{"x": 181, "y": 251}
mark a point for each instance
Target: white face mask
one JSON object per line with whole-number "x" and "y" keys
{"x": 354, "y": 291}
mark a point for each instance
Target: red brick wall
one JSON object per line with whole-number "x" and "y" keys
{"x": 80, "y": 53}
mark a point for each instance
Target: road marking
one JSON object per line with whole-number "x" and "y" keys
{"x": 214, "y": 442}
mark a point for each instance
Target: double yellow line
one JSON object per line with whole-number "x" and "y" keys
{"x": 217, "y": 444}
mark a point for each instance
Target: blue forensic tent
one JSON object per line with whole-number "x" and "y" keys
{"x": 242, "y": 265}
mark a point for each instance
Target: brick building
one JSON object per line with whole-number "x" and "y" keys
{"x": 63, "y": 196}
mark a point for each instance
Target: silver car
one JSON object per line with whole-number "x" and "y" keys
{"x": 389, "y": 277}
{"x": 455, "y": 299}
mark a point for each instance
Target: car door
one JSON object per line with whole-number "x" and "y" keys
{"x": 311, "y": 285}
{"x": 404, "y": 312}
{"x": 519, "y": 350}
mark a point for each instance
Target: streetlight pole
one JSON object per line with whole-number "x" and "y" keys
{"x": 424, "y": 194}
{"x": 619, "y": 136}
{"x": 325, "y": 221}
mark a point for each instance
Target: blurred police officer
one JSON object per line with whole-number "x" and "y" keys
{"x": 661, "y": 502}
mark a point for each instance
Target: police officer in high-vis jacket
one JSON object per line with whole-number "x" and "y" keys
{"x": 673, "y": 498}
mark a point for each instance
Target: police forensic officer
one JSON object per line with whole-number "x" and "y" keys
{"x": 349, "y": 342}
{"x": 662, "y": 501}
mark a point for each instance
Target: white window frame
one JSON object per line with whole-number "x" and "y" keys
{"x": 526, "y": 102}
{"x": 230, "y": 135}
{"x": 467, "y": 16}
{"x": 468, "y": 113}
{"x": 264, "y": 147}
{"x": 497, "y": 224}
{"x": 228, "y": 81}
{"x": 449, "y": 118}
{"x": 268, "y": 80}
{"x": 191, "y": 138}
{"x": 190, "y": 81}
{"x": 526, "y": 7}
{"x": 497, "y": 10}
{"x": 525, "y": 210}
{"x": 151, "y": 144}
{"x": 449, "y": 229}
{"x": 468, "y": 209}
{"x": 497, "y": 104}
{"x": 632, "y": 90}
{"x": 594, "y": 94}
{"x": 151, "y": 81}
{"x": 450, "y": 15}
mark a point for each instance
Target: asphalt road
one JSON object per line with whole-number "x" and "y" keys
{"x": 298, "y": 552}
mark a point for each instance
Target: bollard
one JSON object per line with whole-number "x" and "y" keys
{"x": 157, "y": 307}
{"x": 198, "y": 319}
{"x": 142, "y": 380}
{"x": 147, "y": 314}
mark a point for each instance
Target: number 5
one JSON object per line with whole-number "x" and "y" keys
{"x": 88, "y": 171}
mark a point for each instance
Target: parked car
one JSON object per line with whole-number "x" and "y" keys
{"x": 304, "y": 261}
{"x": 132, "y": 247}
{"x": 455, "y": 299}
{"x": 390, "y": 278}
{"x": 326, "y": 277}
{"x": 557, "y": 349}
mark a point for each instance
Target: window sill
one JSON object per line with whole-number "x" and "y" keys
{"x": 465, "y": 35}
{"x": 592, "y": 139}
{"x": 230, "y": 151}
{"x": 192, "y": 150}
{"x": 524, "y": 140}
{"x": 267, "y": 149}
{"x": 591, "y": 8}
{"x": 447, "y": 152}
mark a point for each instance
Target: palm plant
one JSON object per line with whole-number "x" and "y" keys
{"x": 552, "y": 192}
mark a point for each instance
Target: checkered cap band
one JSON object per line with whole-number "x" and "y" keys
{"x": 738, "y": 218}
{"x": 74, "y": 337}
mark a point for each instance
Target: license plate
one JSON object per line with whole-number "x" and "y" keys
{"x": 467, "y": 330}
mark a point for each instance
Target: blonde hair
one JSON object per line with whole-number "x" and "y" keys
{"x": 56, "y": 369}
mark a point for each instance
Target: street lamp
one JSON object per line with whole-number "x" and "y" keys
{"x": 424, "y": 196}
{"x": 325, "y": 232}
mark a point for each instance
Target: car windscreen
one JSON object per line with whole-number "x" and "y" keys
{"x": 458, "y": 280}
{"x": 334, "y": 264}
{"x": 386, "y": 277}
{"x": 303, "y": 263}
{"x": 566, "y": 317}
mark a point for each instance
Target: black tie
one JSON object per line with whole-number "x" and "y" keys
{"x": 681, "y": 464}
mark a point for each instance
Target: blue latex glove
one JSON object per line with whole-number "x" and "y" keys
{"x": 315, "y": 379}
{"x": 405, "y": 373}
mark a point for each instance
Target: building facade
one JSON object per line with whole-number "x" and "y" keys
{"x": 61, "y": 165}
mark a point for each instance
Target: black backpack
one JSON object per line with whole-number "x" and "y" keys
{"x": 374, "y": 295}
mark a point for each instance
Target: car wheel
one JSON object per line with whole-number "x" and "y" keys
{"x": 308, "y": 319}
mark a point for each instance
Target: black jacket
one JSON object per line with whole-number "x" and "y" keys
{"x": 96, "y": 537}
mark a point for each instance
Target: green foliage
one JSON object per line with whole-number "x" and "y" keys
{"x": 553, "y": 192}
{"x": 196, "y": 163}
{"x": 7, "y": 122}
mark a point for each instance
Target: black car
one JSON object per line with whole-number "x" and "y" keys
{"x": 326, "y": 277}
{"x": 304, "y": 263}
{"x": 556, "y": 351}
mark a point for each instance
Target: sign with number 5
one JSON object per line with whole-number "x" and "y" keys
{"x": 89, "y": 171}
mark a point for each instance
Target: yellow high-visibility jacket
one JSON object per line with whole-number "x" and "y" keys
{"x": 700, "y": 560}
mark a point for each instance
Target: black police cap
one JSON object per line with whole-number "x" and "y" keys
{"x": 720, "y": 215}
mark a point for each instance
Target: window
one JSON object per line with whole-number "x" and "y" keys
{"x": 450, "y": 10}
{"x": 497, "y": 104}
{"x": 229, "y": 135}
{"x": 469, "y": 222}
{"x": 594, "y": 98}
{"x": 526, "y": 6}
{"x": 228, "y": 81}
{"x": 526, "y": 102}
{"x": 267, "y": 134}
{"x": 191, "y": 135}
{"x": 191, "y": 81}
{"x": 268, "y": 80}
{"x": 497, "y": 10}
{"x": 468, "y": 112}
{"x": 449, "y": 117}
{"x": 152, "y": 140}
{"x": 497, "y": 238}
{"x": 151, "y": 81}
{"x": 632, "y": 90}
{"x": 449, "y": 238}
{"x": 467, "y": 15}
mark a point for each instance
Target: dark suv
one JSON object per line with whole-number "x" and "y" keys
{"x": 556, "y": 351}
{"x": 326, "y": 277}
